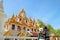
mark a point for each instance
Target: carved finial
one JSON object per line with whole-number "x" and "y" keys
{"x": 22, "y": 10}
{"x": 22, "y": 13}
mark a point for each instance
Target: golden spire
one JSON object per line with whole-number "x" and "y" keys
{"x": 34, "y": 21}
{"x": 22, "y": 13}
{"x": 13, "y": 18}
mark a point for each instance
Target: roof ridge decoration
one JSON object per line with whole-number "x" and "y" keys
{"x": 22, "y": 13}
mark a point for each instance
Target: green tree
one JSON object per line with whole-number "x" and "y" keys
{"x": 41, "y": 23}
{"x": 57, "y": 32}
{"x": 51, "y": 29}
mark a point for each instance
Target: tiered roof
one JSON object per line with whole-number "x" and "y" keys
{"x": 25, "y": 21}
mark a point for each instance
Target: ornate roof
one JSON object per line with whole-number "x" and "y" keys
{"x": 25, "y": 21}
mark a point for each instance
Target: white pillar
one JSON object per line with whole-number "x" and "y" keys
{"x": 24, "y": 38}
{"x": 32, "y": 38}
{"x": 13, "y": 38}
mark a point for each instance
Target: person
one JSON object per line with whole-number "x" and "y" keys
{"x": 46, "y": 31}
{"x": 41, "y": 34}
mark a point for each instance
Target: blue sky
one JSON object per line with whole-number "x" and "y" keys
{"x": 46, "y": 10}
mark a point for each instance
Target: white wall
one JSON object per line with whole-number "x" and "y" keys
{"x": 15, "y": 32}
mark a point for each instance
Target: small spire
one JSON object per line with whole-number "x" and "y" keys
{"x": 22, "y": 13}
{"x": 30, "y": 19}
{"x": 23, "y": 10}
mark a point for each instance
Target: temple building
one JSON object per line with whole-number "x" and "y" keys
{"x": 20, "y": 25}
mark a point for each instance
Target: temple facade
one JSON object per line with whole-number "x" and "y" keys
{"x": 20, "y": 25}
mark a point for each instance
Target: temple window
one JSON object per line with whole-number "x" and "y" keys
{"x": 27, "y": 29}
{"x": 18, "y": 28}
{"x": 38, "y": 30}
{"x": 33, "y": 23}
{"x": 20, "y": 19}
{"x": 13, "y": 26}
{"x": 24, "y": 28}
{"x": 25, "y": 21}
{"x": 32, "y": 29}
{"x": 35, "y": 30}
{"x": 6, "y": 39}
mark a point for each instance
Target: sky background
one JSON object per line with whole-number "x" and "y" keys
{"x": 46, "y": 10}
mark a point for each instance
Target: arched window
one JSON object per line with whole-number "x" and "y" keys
{"x": 18, "y": 28}
{"x": 13, "y": 26}
{"x": 20, "y": 19}
{"x": 33, "y": 23}
{"x": 24, "y": 28}
{"x": 35, "y": 30}
{"x": 27, "y": 29}
{"x": 6, "y": 39}
{"x": 26, "y": 21}
{"x": 32, "y": 29}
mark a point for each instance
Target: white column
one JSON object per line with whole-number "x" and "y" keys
{"x": 56, "y": 38}
{"x": 18, "y": 39}
{"x": 13, "y": 38}
{"x": 24, "y": 38}
{"x": 32, "y": 38}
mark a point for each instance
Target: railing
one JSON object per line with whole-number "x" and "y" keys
{"x": 23, "y": 38}
{"x": 17, "y": 38}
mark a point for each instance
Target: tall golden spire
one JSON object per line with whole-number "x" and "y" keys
{"x": 34, "y": 21}
{"x": 13, "y": 18}
{"x": 22, "y": 13}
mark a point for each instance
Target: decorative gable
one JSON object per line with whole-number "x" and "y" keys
{"x": 21, "y": 19}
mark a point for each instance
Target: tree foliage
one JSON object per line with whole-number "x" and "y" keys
{"x": 51, "y": 29}
{"x": 57, "y": 32}
{"x": 41, "y": 23}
